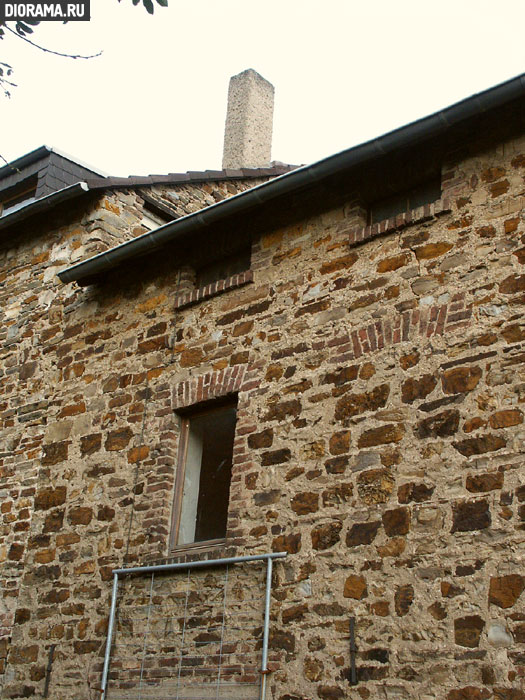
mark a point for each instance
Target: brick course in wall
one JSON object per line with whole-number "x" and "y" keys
{"x": 379, "y": 441}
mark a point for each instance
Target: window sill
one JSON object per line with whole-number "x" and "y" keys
{"x": 400, "y": 221}
{"x": 212, "y": 290}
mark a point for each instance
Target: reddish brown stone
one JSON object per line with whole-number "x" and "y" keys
{"x": 480, "y": 483}
{"x": 330, "y": 692}
{"x": 469, "y": 693}
{"x": 355, "y": 587}
{"x": 470, "y": 515}
{"x": 262, "y": 439}
{"x": 138, "y": 454}
{"x": 432, "y": 250}
{"x": 393, "y": 263}
{"x": 54, "y": 453}
{"x": 413, "y": 492}
{"x": 375, "y": 485}
{"x": 504, "y": 591}
{"x": 467, "y": 630}
{"x": 381, "y": 608}
{"x": 437, "y": 611}
{"x": 294, "y": 613}
{"x": 354, "y": 404}
{"x": 90, "y": 444}
{"x": 86, "y": 647}
{"x": 519, "y": 633}
{"x": 325, "y": 536}
{"x": 342, "y": 263}
{"x": 403, "y": 599}
{"x": 337, "y": 495}
{"x": 508, "y": 694}
{"x": 105, "y": 513}
{"x": 514, "y": 333}
{"x": 492, "y": 174}
{"x": 473, "y": 424}
{"x": 512, "y": 284}
{"x": 409, "y": 360}
{"x": 341, "y": 376}
{"x": 480, "y": 445}
{"x": 275, "y": 457}
{"x": 505, "y": 419}
{"x": 383, "y": 435}
{"x": 80, "y": 516}
{"x": 23, "y": 655}
{"x": 340, "y": 442}
{"x": 305, "y": 502}
{"x": 49, "y": 498}
{"x": 450, "y": 590}
{"x": 16, "y": 552}
{"x": 499, "y": 188}
{"x": 336, "y": 465}
{"x": 280, "y": 411}
{"x": 441, "y": 425}
{"x": 281, "y": 640}
{"x": 54, "y": 521}
{"x": 118, "y": 439}
{"x": 362, "y": 533}
{"x": 413, "y": 389}
{"x": 287, "y": 543}
{"x": 72, "y": 410}
{"x": 396, "y": 522}
{"x": 461, "y": 379}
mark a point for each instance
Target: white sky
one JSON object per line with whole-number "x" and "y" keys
{"x": 344, "y": 71}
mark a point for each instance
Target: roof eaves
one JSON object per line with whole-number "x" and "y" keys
{"x": 295, "y": 180}
{"x": 43, "y": 204}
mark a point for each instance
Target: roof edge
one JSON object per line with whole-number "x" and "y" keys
{"x": 291, "y": 182}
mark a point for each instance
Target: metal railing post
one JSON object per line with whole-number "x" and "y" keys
{"x": 267, "y": 599}
{"x": 111, "y": 624}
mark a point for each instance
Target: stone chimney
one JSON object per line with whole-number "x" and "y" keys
{"x": 249, "y": 122}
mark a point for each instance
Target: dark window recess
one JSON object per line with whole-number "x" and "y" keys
{"x": 17, "y": 197}
{"x": 205, "y": 468}
{"x": 426, "y": 192}
{"x": 226, "y": 267}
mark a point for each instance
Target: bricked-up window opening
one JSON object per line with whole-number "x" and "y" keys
{"x": 204, "y": 475}
{"x": 224, "y": 268}
{"x": 426, "y": 192}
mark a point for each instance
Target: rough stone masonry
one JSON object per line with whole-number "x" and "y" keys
{"x": 379, "y": 371}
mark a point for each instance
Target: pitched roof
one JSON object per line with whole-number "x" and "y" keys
{"x": 299, "y": 190}
{"x": 58, "y": 177}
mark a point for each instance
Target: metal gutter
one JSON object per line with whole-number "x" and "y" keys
{"x": 43, "y": 204}
{"x": 302, "y": 177}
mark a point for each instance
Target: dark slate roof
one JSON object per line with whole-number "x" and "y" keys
{"x": 52, "y": 169}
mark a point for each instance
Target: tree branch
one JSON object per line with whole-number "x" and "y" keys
{"x": 42, "y": 48}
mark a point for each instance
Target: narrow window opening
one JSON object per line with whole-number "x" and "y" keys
{"x": 385, "y": 208}
{"x": 224, "y": 268}
{"x": 205, "y": 466}
{"x": 17, "y": 197}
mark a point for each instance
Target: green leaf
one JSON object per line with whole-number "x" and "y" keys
{"x": 25, "y": 28}
{"x": 135, "y": 2}
{"x": 148, "y": 5}
{"x": 162, "y": 3}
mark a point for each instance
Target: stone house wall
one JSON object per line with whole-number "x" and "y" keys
{"x": 379, "y": 441}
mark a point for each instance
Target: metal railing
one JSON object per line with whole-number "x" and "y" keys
{"x": 191, "y": 638}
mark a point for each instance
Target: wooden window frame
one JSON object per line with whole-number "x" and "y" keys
{"x": 189, "y": 413}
